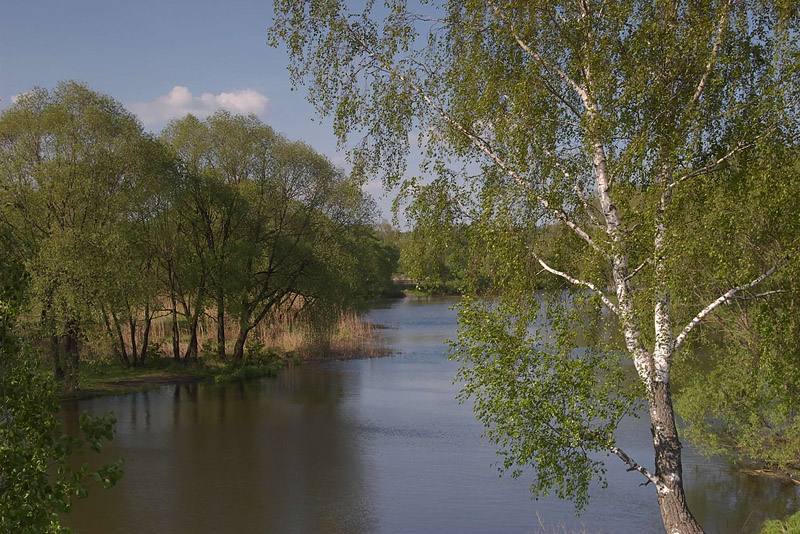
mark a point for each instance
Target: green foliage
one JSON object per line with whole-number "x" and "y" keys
{"x": 273, "y": 225}
{"x": 103, "y": 228}
{"x": 379, "y": 261}
{"x": 741, "y": 399}
{"x": 790, "y": 525}
{"x": 550, "y": 397}
{"x": 257, "y": 363}
{"x": 75, "y": 175}
{"x": 37, "y": 479}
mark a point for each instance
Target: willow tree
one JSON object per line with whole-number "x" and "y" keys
{"x": 70, "y": 160}
{"x": 585, "y": 114}
{"x": 268, "y": 220}
{"x": 222, "y": 153}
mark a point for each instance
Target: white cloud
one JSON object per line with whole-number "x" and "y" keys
{"x": 15, "y": 98}
{"x": 180, "y": 101}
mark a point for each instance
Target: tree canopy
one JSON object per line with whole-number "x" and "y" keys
{"x": 71, "y": 161}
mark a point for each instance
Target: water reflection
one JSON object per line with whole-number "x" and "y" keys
{"x": 272, "y": 456}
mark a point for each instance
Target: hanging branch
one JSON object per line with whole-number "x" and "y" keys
{"x": 476, "y": 140}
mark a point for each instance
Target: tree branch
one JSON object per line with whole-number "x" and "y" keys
{"x": 726, "y": 297}
{"x": 763, "y": 295}
{"x": 611, "y": 306}
{"x": 714, "y": 51}
{"x": 715, "y": 165}
{"x": 633, "y": 466}
{"x": 539, "y": 59}
{"x": 477, "y": 141}
{"x": 639, "y": 268}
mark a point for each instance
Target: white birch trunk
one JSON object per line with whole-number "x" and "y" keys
{"x": 653, "y": 367}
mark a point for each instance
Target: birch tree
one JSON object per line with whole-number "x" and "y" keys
{"x": 587, "y": 114}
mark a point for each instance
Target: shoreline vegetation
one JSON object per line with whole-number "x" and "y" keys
{"x": 284, "y": 341}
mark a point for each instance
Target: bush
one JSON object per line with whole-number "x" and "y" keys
{"x": 790, "y": 525}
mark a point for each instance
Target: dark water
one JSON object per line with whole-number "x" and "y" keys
{"x": 368, "y": 446}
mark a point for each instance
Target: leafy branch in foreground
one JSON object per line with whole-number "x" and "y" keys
{"x": 37, "y": 477}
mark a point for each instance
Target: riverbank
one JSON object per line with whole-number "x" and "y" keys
{"x": 272, "y": 346}
{"x": 106, "y": 377}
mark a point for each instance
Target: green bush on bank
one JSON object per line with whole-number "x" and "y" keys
{"x": 251, "y": 367}
{"x": 790, "y": 525}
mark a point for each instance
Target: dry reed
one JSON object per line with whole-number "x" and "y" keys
{"x": 283, "y": 333}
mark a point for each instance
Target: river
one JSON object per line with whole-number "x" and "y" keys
{"x": 367, "y": 446}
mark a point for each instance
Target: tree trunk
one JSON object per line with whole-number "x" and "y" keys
{"x": 653, "y": 368}
{"x": 238, "y": 348}
{"x": 191, "y": 349}
{"x": 220, "y": 324}
{"x": 121, "y": 351}
{"x": 55, "y": 350}
{"x": 132, "y": 326}
{"x": 244, "y": 329}
{"x": 148, "y": 320}
{"x": 55, "y": 357}
{"x": 675, "y": 513}
{"x": 176, "y": 334}
{"x": 69, "y": 343}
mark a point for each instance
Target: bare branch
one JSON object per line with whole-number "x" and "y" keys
{"x": 725, "y": 297}
{"x": 611, "y": 306}
{"x": 633, "y": 466}
{"x": 636, "y": 270}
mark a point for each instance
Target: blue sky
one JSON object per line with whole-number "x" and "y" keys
{"x": 162, "y": 59}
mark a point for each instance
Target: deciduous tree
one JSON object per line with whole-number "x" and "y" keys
{"x": 70, "y": 161}
{"x": 37, "y": 480}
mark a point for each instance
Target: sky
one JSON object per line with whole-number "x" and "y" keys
{"x": 163, "y": 59}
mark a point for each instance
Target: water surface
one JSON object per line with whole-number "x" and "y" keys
{"x": 367, "y": 446}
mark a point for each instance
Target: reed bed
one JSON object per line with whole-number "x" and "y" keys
{"x": 283, "y": 333}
